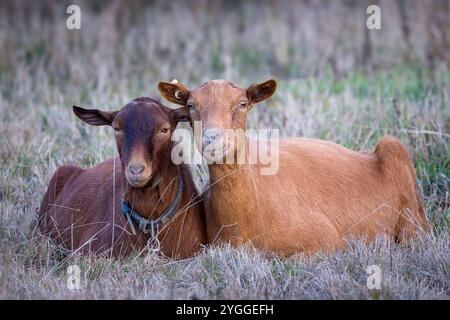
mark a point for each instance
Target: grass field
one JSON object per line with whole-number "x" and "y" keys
{"x": 336, "y": 82}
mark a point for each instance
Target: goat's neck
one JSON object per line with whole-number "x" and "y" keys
{"x": 232, "y": 200}
{"x": 152, "y": 200}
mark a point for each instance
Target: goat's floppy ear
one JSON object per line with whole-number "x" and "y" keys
{"x": 95, "y": 117}
{"x": 179, "y": 114}
{"x": 174, "y": 92}
{"x": 258, "y": 92}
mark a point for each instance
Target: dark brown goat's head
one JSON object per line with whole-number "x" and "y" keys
{"x": 142, "y": 129}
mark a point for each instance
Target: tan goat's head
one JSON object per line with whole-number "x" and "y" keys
{"x": 219, "y": 105}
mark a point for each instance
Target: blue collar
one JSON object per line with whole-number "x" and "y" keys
{"x": 153, "y": 225}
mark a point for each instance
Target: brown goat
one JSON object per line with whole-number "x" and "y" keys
{"x": 82, "y": 209}
{"x": 321, "y": 194}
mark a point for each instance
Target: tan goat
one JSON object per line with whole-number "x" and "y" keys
{"x": 322, "y": 193}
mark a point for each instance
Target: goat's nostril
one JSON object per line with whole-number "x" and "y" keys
{"x": 136, "y": 169}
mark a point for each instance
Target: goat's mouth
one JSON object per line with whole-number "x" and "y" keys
{"x": 138, "y": 182}
{"x": 138, "y": 175}
{"x": 217, "y": 152}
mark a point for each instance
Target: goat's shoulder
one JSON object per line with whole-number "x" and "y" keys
{"x": 63, "y": 174}
{"x": 92, "y": 181}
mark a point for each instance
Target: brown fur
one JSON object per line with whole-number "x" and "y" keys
{"x": 82, "y": 207}
{"x": 322, "y": 193}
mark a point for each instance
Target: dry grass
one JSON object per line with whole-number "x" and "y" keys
{"x": 328, "y": 88}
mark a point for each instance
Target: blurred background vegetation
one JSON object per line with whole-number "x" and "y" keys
{"x": 337, "y": 80}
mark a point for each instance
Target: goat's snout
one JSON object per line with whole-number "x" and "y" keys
{"x": 136, "y": 169}
{"x": 138, "y": 174}
{"x": 212, "y": 136}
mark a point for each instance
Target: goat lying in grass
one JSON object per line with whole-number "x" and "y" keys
{"x": 321, "y": 194}
{"x": 105, "y": 208}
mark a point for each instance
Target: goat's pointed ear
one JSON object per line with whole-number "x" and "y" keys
{"x": 174, "y": 92}
{"x": 258, "y": 92}
{"x": 95, "y": 117}
{"x": 179, "y": 114}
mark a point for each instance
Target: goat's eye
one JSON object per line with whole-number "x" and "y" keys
{"x": 116, "y": 129}
{"x": 165, "y": 130}
{"x": 190, "y": 106}
{"x": 241, "y": 106}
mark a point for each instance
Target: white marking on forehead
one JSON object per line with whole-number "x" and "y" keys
{"x": 174, "y": 81}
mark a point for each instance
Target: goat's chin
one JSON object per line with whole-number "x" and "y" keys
{"x": 138, "y": 183}
{"x": 217, "y": 154}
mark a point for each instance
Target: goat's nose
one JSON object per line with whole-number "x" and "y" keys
{"x": 136, "y": 169}
{"x": 212, "y": 136}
